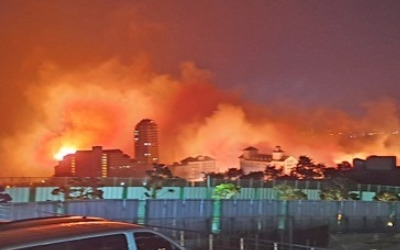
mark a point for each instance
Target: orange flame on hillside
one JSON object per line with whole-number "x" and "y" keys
{"x": 65, "y": 150}
{"x": 193, "y": 115}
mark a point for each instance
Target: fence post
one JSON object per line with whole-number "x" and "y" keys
{"x": 210, "y": 242}
{"x": 32, "y": 194}
{"x": 182, "y": 238}
{"x": 282, "y": 218}
{"x": 257, "y": 241}
{"x": 60, "y": 207}
{"x": 142, "y": 212}
{"x": 124, "y": 192}
{"x": 216, "y": 216}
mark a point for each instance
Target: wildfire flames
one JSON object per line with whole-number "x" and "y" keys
{"x": 71, "y": 90}
{"x": 194, "y": 118}
{"x": 63, "y": 152}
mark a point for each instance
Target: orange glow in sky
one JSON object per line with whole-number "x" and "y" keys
{"x": 215, "y": 78}
{"x": 66, "y": 150}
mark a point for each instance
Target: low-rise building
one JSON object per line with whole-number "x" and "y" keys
{"x": 378, "y": 170}
{"x": 252, "y": 161}
{"x": 98, "y": 162}
{"x": 375, "y": 162}
{"x": 194, "y": 168}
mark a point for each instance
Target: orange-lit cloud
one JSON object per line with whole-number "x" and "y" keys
{"x": 80, "y": 77}
{"x": 102, "y": 105}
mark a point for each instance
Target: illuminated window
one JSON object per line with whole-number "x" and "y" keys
{"x": 104, "y": 166}
{"x": 73, "y": 165}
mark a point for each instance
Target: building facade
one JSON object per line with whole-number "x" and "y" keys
{"x": 375, "y": 162}
{"x": 95, "y": 163}
{"x": 252, "y": 161}
{"x": 194, "y": 168}
{"x": 146, "y": 142}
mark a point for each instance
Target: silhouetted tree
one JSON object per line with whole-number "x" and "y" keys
{"x": 272, "y": 173}
{"x": 386, "y": 196}
{"x": 306, "y": 169}
{"x": 234, "y": 173}
{"x": 330, "y": 172}
{"x": 259, "y": 175}
{"x": 157, "y": 178}
{"x": 287, "y": 177}
{"x": 344, "y": 166}
{"x": 287, "y": 192}
{"x": 338, "y": 189}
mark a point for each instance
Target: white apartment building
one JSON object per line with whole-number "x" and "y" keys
{"x": 194, "y": 168}
{"x": 252, "y": 161}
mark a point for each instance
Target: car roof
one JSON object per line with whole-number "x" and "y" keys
{"x": 39, "y": 221}
{"x": 54, "y": 232}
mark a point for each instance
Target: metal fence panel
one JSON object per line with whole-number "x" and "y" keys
{"x": 248, "y": 215}
{"x": 246, "y": 193}
{"x": 197, "y": 192}
{"x": 266, "y": 193}
{"x": 136, "y": 193}
{"x": 164, "y": 193}
{"x": 19, "y": 194}
{"x": 367, "y": 196}
{"x": 112, "y": 192}
{"x": 18, "y": 211}
{"x": 169, "y": 193}
{"x": 96, "y": 208}
{"x": 312, "y": 194}
{"x": 44, "y": 194}
{"x": 232, "y": 216}
{"x": 312, "y": 208}
{"x": 232, "y": 208}
{"x": 249, "y": 190}
{"x": 123, "y": 210}
{"x": 183, "y": 214}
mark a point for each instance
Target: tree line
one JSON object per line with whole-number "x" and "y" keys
{"x": 305, "y": 169}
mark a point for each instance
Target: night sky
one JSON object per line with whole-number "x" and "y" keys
{"x": 215, "y": 75}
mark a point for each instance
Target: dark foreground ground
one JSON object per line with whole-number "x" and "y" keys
{"x": 320, "y": 237}
{"x": 387, "y": 241}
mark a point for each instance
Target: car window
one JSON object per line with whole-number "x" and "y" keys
{"x": 152, "y": 241}
{"x": 107, "y": 242}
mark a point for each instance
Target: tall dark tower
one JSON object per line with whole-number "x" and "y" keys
{"x": 146, "y": 142}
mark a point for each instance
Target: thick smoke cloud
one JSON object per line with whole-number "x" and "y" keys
{"x": 85, "y": 76}
{"x": 101, "y": 105}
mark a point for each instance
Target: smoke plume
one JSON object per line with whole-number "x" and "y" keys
{"x": 80, "y": 77}
{"x": 102, "y": 104}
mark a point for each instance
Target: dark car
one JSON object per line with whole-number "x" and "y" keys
{"x": 81, "y": 233}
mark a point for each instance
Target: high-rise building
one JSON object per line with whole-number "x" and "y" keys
{"x": 146, "y": 142}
